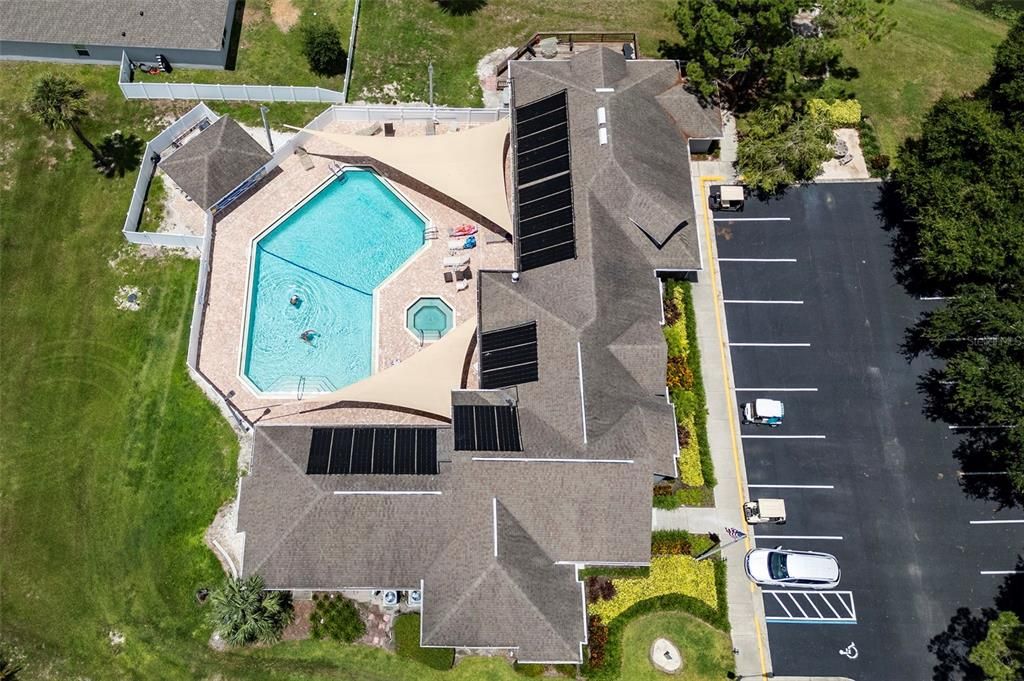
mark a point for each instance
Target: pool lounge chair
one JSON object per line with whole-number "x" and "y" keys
{"x": 456, "y": 261}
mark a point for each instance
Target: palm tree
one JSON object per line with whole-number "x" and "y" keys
{"x": 244, "y": 613}
{"x": 59, "y": 103}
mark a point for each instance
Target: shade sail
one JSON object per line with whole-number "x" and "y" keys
{"x": 423, "y": 382}
{"x": 468, "y": 166}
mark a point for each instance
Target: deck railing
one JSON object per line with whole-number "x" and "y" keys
{"x": 572, "y": 37}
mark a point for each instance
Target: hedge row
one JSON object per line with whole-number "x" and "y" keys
{"x": 717, "y": 617}
{"x": 679, "y": 574}
{"x": 842, "y": 113}
{"x": 700, "y": 412}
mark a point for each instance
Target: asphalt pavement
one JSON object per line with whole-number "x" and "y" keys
{"x": 815, "y": 319}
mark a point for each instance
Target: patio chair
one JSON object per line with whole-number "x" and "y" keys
{"x": 846, "y": 159}
{"x": 304, "y": 158}
{"x": 456, "y": 261}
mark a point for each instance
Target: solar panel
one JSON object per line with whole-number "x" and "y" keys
{"x": 541, "y": 106}
{"x": 542, "y": 223}
{"x": 319, "y": 451}
{"x": 540, "y": 154}
{"x": 426, "y": 451}
{"x": 547, "y": 204}
{"x": 362, "y": 451}
{"x": 500, "y": 339}
{"x": 509, "y": 356}
{"x": 538, "y": 123}
{"x": 548, "y": 187}
{"x": 528, "y": 260}
{"x": 487, "y": 428}
{"x": 383, "y": 451}
{"x": 542, "y": 138}
{"x": 405, "y": 451}
{"x": 341, "y": 451}
{"x": 552, "y": 166}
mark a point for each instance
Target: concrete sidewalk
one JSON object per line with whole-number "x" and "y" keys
{"x": 746, "y": 609}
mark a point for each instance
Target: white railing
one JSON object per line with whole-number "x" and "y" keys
{"x": 351, "y": 52}
{"x": 386, "y": 112}
{"x": 199, "y": 306}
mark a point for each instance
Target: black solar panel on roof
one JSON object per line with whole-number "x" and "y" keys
{"x": 503, "y": 378}
{"x": 541, "y": 154}
{"x": 383, "y": 451}
{"x": 543, "y": 223}
{"x": 538, "y": 123}
{"x": 559, "y": 164}
{"x": 541, "y": 106}
{"x": 486, "y": 428}
{"x": 532, "y": 259}
{"x": 500, "y": 339}
{"x": 319, "y": 452}
{"x": 542, "y": 240}
{"x": 547, "y": 204}
{"x": 544, "y": 188}
{"x": 341, "y": 451}
{"x": 509, "y": 356}
{"x": 542, "y": 138}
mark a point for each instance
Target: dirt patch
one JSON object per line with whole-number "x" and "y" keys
{"x": 254, "y": 13}
{"x": 128, "y": 298}
{"x": 300, "y": 627}
{"x": 284, "y": 14}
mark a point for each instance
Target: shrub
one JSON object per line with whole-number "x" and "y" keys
{"x": 879, "y": 164}
{"x": 678, "y": 375}
{"x": 243, "y": 613}
{"x": 407, "y": 644}
{"x": 460, "y": 8}
{"x": 616, "y": 571}
{"x": 321, "y": 45}
{"x": 599, "y": 588}
{"x": 689, "y": 458}
{"x": 843, "y": 113}
{"x": 597, "y": 641}
{"x": 679, "y": 542}
{"x": 336, "y": 618}
{"x": 566, "y": 670}
{"x": 669, "y": 574}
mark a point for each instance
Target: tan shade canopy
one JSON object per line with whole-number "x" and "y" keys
{"x": 424, "y": 382}
{"x": 468, "y": 166}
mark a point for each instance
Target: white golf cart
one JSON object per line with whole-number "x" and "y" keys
{"x": 765, "y": 511}
{"x": 764, "y": 412}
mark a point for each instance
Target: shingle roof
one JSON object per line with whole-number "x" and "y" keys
{"x": 180, "y": 24}
{"x": 213, "y": 163}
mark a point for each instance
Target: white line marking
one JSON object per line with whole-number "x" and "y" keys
{"x": 583, "y": 399}
{"x": 783, "y": 437}
{"x": 813, "y": 605}
{"x": 800, "y": 536}
{"x": 933, "y": 298}
{"x": 384, "y": 493}
{"x": 962, "y": 473}
{"x": 829, "y": 604}
{"x": 776, "y": 390}
{"x": 764, "y": 302}
{"x": 981, "y": 427}
{"x": 796, "y": 486}
{"x": 757, "y": 260}
{"x": 494, "y": 509}
{"x": 770, "y": 345}
{"x": 523, "y": 459}
{"x": 1002, "y": 572}
{"x": 995, "y": 522}
{"x": 751, "y": 219}
{"x": 776, "y": 595}
{"x": 795, "y": 602}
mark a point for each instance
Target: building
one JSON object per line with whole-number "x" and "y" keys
{"x": 548, "y": 466}
{"x": 192, "y": 33}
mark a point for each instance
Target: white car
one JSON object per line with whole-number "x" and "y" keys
{"x": 797, "y": 569}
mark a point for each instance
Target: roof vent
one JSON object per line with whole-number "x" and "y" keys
{"x": 602, "y": 136}
{"x": 601, "y": 117}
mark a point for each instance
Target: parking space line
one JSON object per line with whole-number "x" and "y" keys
{"x": 811, "y": 603}
{"x": 784, "y": 603}
{"x": 796, "y": 486}
{"x": 829, "y": 604}
{"x": 783, "y": 437}
{"x": 769, "y": 345}
{"x": 757, "y": 260}
{"x": 824, "y": 537}
{"x": 788, "y": 613}
{"x": 995, "y": 522}
{"x": 751, "y": 219}
{"x": 1002, "y": 572}
{"x": 776, "y": 390}
{"x": 764, "y": 302}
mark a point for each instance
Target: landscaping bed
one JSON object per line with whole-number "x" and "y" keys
{"x": 686, "y": 388}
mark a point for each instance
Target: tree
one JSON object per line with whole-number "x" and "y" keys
{"x": 460, "y": 8}
{"x": 118, "y": 154}
{"x": 243, "y": 613}
{"x": 1001, "y": 654}
{"x": 779, "y": 146}
{"x": 749, "y": 48}
{"x": 321, "y": 45}
{"x": 59, "y": 103}
{"x": 1006, "y": 85}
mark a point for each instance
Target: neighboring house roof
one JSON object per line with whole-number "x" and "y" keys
{"x": 179, "y": 24}
{"x": 214, "y": 162}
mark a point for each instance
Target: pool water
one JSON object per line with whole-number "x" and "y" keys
{"x": 329, "y": 254}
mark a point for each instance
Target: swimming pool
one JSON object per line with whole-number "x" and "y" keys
{"x": 429, "y": 318}
{"x": 310, "y": 325}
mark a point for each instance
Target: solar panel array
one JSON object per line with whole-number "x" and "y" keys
{"x": 508, "y": 356}
{"x": 379, "y": 451}
{"x": 488, "y": 429}
{"x": 545, "y": 229}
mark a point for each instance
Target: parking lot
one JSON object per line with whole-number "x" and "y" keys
{"x": 815, "y": 319}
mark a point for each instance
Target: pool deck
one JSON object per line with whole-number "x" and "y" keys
{"x": 220, "y": 352}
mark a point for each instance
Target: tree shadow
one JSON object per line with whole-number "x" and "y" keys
{"x": 967, "y": 628}
{"x": 459, "y": 8}
{"x": 235, "y": 38}
{"x": 119, "y": 154}
{"x": 907, "y": 264}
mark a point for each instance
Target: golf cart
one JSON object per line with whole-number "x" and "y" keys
{"x": 764, "y": 412}
{"x": 765, "y": 511}
{"x": 728, "y": 197}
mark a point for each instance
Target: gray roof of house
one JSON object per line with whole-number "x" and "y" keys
{"x": 179, "y": 24}
{"x": 213, "y": 163}
{"x": 642, "y": 176}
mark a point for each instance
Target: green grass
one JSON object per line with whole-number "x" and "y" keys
{"x": 707, "y": 652}
{"x": 407, "y": 644}
{"x": 937, "y": 47}
{"x": 455, "y": 44}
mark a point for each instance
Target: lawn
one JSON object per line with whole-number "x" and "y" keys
{"x": 456, "y": 43}
{"x": 707, "y": 652}
{"x": 937, "y": 47}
